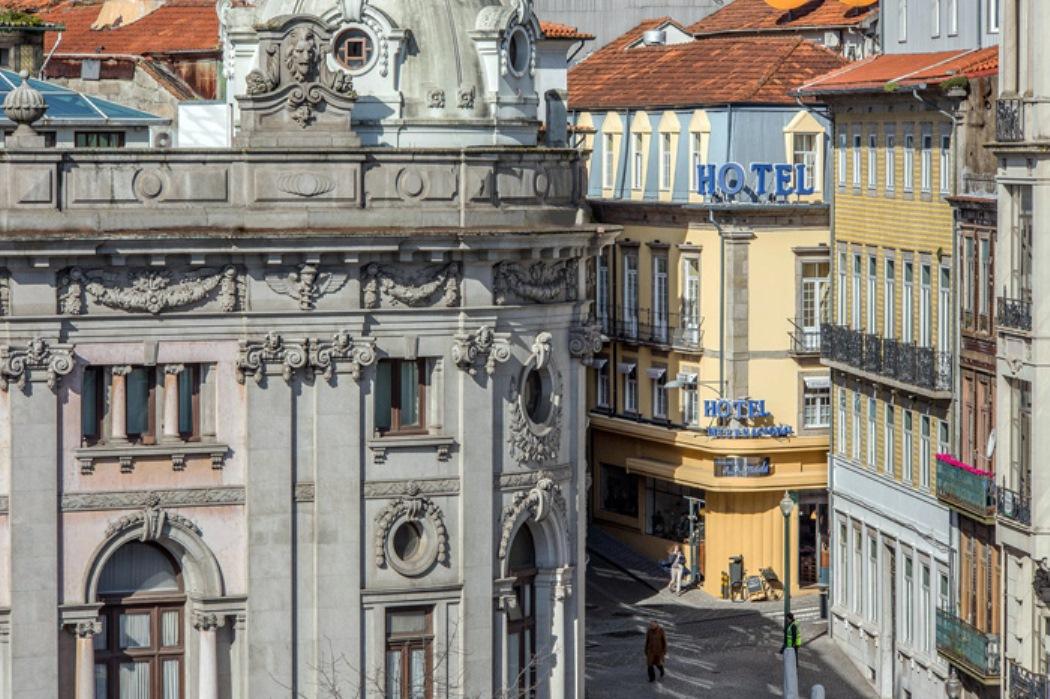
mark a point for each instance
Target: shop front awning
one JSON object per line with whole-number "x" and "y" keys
{"x": 684, "y": 380}
{"x": 817, "y": 383}
{"x": 626, "y": 367}
{"x": 656, "y": 373}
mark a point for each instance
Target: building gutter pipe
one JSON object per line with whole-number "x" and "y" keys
{"x": 50, "y": 54}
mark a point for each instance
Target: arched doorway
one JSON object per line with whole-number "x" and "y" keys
{"x": 521, "y": 625}
{"x": 140, "y": 649}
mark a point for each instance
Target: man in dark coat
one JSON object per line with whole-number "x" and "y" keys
{"x": 655, "y": 650}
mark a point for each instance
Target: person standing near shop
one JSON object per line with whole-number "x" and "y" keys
{"x": 655, "y": 650}
{"x": 677, "y": 560}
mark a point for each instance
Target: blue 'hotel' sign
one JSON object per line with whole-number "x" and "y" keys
{"x": 779, "y": 179}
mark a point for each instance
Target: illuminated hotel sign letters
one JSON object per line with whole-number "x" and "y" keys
{"x": 742, "y": 410}
{"x": 780, "y": 179}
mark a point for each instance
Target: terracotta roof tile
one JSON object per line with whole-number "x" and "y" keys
{"x": 749, "y": 16}
{"x": 178, "y": 26}
{"x": 554, "y": 30}
{"x": 906, "y": 70}
{"x": 27, "y": 5}
{"x": 717, "y": 70}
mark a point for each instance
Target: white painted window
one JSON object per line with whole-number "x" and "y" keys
{"x": 630, "y": 390}
{"x": 841, "y": 311}
{"x": 842, "y": 158}
{"x": 657, "y": 379}
{"x": 816, "y": 408}
{"x": 804, "y": 147}
{"x": 660, "y": 298}
{"x": 926, "y": 165}
{"x": 872, "y": 582}
{"x": 665, "y": 161}
{"x": 993, "y": 15}
{"x": 942, "y": 437}
{"x": 855, "y": 444}
{"x": 603, "y": 291}
{"x": 925, "y": 300}
{"x": 944, "y": 310}
{"x": 872, "y": 281}
{"x": 842, "y": 422}
{"x": 872, "y": 409}
{"x": 891, "y": 161}
{"x": 953, "y": 17}
{"x": 696, "y": 154}
{"x": 945, "y": 163}
{"x": 908, "y": 608}
{"x": 609, "y": 161}
{"x": 630, "y": 293}
{"x": 924, "y": 452}
{"x": 690, "y": 406}
{"x": 889, "y": 440}
{"x": 602, "y": 376}
{"x": 638, "y": 161}
{"x": 889, "y": 300}
{"x": 924, "y": 609}
{"x": 902, "y": 20}
{"x": 909, "y": 162}
{"x": 943, "y": 591}
{"x": 908, "y": 303}
{"x": 691, "y": 299}
{"x": 908, "y": 451}
{"x": 873, "y": 160}
{"x": 858, "y": 569}
{"x": 814, "y": 292}
{"x": 935, "y": 18}
{"x": 856, "y": 159}
{"x": 855, "y": 320}
{"x": 843, "y": 564}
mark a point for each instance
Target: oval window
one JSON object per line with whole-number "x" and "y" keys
{"x": 354, "y": 49}
{"x": 408, "y": 541}
{"x": 518, "y": 51}
{"x": 535, "y": 395}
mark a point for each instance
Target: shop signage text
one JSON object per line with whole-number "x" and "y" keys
{"x": 780, "y": 179}
{"x": 742, "y": 410}
{"x": 743, "y": 467}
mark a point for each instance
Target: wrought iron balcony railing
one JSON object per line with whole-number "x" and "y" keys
{"x": 1014, "y": 313}
{"x": 969, "y": 491}
{"x": 1025, "y": 684}
{"x": 805, "y": 339}
{"x": 917, "y": 366}
{"x": 871, "y": 353}
{"x": 1015, "y": 506}
{"x": 645, "y": 326}
{"x": 1009, "y": 120}
{"x": 965, "y": 645}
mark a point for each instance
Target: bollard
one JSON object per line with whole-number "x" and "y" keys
{"x": 790, "y": 674}
{"x": 817, "y": 693}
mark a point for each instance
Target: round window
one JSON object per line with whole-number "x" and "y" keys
{"x": 408, "y": 541}
{"x": 535, "y": 396}
{"x": 354, "y": 49}
{"x": 518, "y": 51}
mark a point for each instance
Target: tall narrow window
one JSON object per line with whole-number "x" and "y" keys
{"x": 891, "y": 159}
{"x": 855, "y": 321}
{"x": 889, "y": 440}
{"x": 92, "y": 404}
{"x": 690, "y": 404}
{"x": 872, "y": 282}
{"x": 602, "y": 386}
{"x": 189, "y": 402}
{"x": 873, "y": 162}
{"x": 945, "y": 163}
{"x": 924, "y": 608}
{"x": 842, "y": 422}
{"x": 691, "y": 300}
{"x": 400, "y": 396}
{"x": 944, "y": 310}
{"x": 409, "y": 661}
{"x": 841, "y": 299}
{"x": 942, "y": 437}
{"x": 908, "y": 303}
{"x": 696, "y": 155}
{"x": 908, "y": 611}
{"x": 814, "y": 291}
{"x": 843, "y": 565}
{"x": 657, "y": 379}
{"x": 140, "y": 405}
{"x": 902, "y": 20}
{"x": 856, "y": 158}
{"x": 872, "y": 582}
{"x": 816, "y": 402}
{"x": 909, "y": 162}
{"x": 872, "y": 410}
{"x": 889, "y": 300}
{"x": 630, "y": 293}
{"x": 925, "y": 301}
{"x": 858, "y": 562}
{"x": 926, "y": 163}
{"x": 953, "y": 17}
{"x": 630, "y": 389}
{"x": 935, "y": 17}
{"x": 603, "y": 292}
{"x": 843, "y": 137}
{"x": 660, "y": 298}
{"x": 908, "y": 451}
{"x": 984, "y": 277}
{"x": 924, "y": 452}
{"x": 804, "y": 147}
{"x": 608, "y": 160}
{"x": 994, "y": 17}
{"x": 522, "y": 662}
{"x": 665, "y": 161}
{"x": 637, "y": 161}
{"x": 855, "y": 443}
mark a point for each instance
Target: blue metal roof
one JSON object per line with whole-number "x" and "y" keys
{"x": 72, "y": 107}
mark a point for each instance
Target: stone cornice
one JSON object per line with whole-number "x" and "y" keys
{"x": 131, "y": 499}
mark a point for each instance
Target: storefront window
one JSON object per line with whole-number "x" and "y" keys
{"x": 619, "y": 491}
{"x": 667, "y": 510}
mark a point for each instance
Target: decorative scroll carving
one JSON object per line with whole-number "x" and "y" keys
{"x": 529, "y": 446}
{"x": 585, "y": 341}
{"x": 126, "y": 499}
{"x": 88, "y": 628}
{"x": 359, "y": 352}
{"x": 5, "y": 295}
{"x": 386, "y": 285}
{"x": 537, "y": 503}
{"x": 16, "y": 364}
{"x": 468, "y": 349}
{"x": 206, "y": 621}
{"x": 389, "y": 489}
{"x": 274, "y": 349}
{"x": 540, "y": 282}
{"x": 527, "y": 479}
{"x": 152, "y": 518}
{"x": 306, "y": 284}
{"x": 147, "y": 290}
{"x": 541, "y": 349}
{"x": 422, "y": 511}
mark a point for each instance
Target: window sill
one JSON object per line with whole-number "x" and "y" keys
{"x": 128, "y": 454}
{"x": 379, "y": 446}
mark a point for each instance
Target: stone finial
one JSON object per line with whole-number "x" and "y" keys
{"x": 24, "y": 105}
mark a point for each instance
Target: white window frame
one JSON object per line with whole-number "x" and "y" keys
{"x": 908, "y": 450}
{"x": 908, "y": 303}
{"x": 925, "y": 594}
{"x": 630, "y": 391}
{"x": 630, "y": 290}
{"x": 609, "y": 161}
{"x": 936, "y": 7}
{"x": 690, "y": 406}
{"x": 872, "y": 575}
{"x": 889, "y": 439}
{"x": 945, "y": 164}
{"x": 858, "y": 569}
{"x": 696, "y": 151}
{"x": 808, "y": 156}
{"x": 993, "y": 16}
{"x": 857, "y": 143}
{"x": 943, "y": 437}
{"x": 873, "y": 162}
{"x": 909, "y": 162}
{"x": 603, "y": 394}
{"x": 855, "y": 444}
{"x": 843, "y": 564}
{"x": 659, "y": 398}
{"x": 924, "y": 452}
{"x": 666, "y": 152}
{"x": 855, "y": 319}
{"x": 602, "y": 290}
{"x": 637, "y": 161}
{"x": 891, "y": 161}
{"x": 842, "y": 421}
{"x": 816, "y": 402}
{"x": 841, "y": 310}
{"x": 661, "y": 293}
{"x": 908, "y": 603}
{"x": 889, "y": 298}
{"x": 953, "y": 17}
{"x": 944, "y": 309}
{"x": 925, "y": 304}
{"x": 843, "y": 145}
{"x": 926, "y": 164}
{"x": 902, "y": 21}
{"x": 873, "y": 279}
{"x": 691, "y": 299}
{"x": 872, "y": 449}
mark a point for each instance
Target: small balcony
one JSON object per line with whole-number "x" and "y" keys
{"x": 1015, "y": 506}
{"x": 871, "y": 353}
{"x": 1015, "y": 314}
{"x": 966, "y": 489}
{"x": 1009, "y": 120}
{"x": 647, "y": 327}
{"x": 900, "y": 362}
{"x": 969, "y": 648}
{"x": 805, "y": 339}
{"x": 1025, "y": 684}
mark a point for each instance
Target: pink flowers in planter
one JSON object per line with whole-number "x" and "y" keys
{"x": 952, "y": 461}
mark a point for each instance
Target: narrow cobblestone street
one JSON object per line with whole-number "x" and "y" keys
{"x": 716, "y": 648}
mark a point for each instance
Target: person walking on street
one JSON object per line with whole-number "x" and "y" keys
{"x": 792, "y": 637}
{"x": 655, "y": 650}
{"x": 677, "y": 559}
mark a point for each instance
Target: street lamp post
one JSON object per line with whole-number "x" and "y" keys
{"x": 953, "y": 685}
{"x": 786, "y": 507}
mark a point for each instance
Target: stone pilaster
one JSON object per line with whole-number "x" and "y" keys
{"x": 737, "y": 342}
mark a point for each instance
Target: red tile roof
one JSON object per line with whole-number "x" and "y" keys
{"x": 553, "y": 30}
{"x": 27, "y": 5}
{"x": 717, "y": 70}
{"x": 176, "y": 27}
{"x": 906, "y": 70}
{"x": 750, "y": 16}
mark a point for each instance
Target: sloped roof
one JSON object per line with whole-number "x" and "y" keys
{"x": 706, "y": 71}
{"x": 906, "y": 70}
{"x": 72, "y": 107}
{"x": 750, "y": 16}
{"x": 554, "y": 30}
{"x": 176, "y": 27}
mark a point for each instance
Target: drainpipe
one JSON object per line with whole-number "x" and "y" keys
{"x": 625, "y": 146}
{"x": 50, "y": 54}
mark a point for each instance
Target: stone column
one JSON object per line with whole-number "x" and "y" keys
{"x": 563, "y": 680}
{"x": 85, "y": 670}
{"x": 118, "y": 426}
{"x": 171, "y": 402}
{"x": 207, "y": 657}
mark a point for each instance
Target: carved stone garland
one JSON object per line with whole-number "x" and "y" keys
{"x": 306, "y": 284}
{"x": 531, "y": 443}
{"x": 538, "y": 503}
{"x": 540, "y": 282}
{"x": 412, "y": 508}
{"x": 468, "y": 348}
{"x": 16, "y": 364}
{"x": 147, "y": 290}
{"x": 585, "y": 341}
{"x": 407, "y": 287}
{"x": 320, "y": 356}
{"x": 152, "y": 518}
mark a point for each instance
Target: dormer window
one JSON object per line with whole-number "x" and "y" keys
{"x": 354, "y": 49}
{"x": 519, "y": 51}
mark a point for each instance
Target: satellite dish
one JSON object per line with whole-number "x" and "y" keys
{"x": 989, "y": 449}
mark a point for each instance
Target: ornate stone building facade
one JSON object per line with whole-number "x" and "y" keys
{"x": 301, "y": 418}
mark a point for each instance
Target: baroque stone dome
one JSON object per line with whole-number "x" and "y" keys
{"x": 424, "y": 72}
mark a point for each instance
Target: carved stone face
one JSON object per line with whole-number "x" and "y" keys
{"x": 301, "y": 56}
